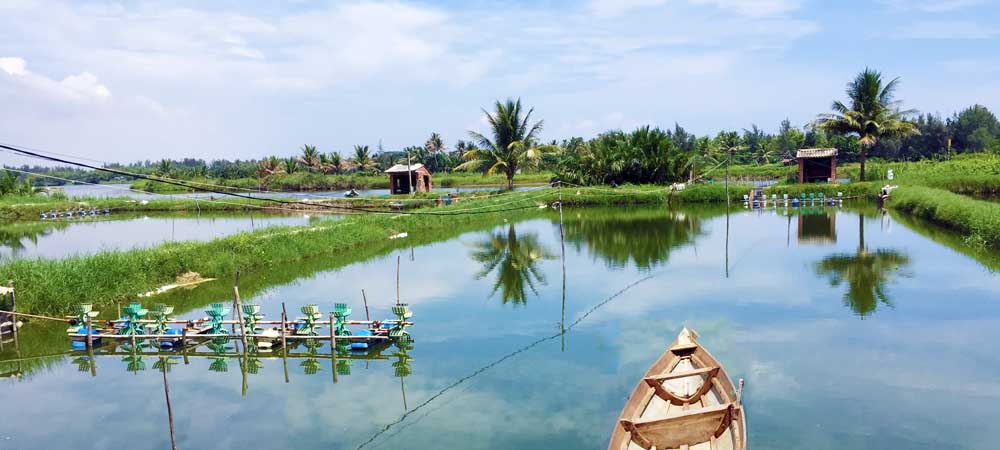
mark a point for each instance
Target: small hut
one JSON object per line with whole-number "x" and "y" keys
{"x": 419, "y": 179}
{"x": 817, "y": 165}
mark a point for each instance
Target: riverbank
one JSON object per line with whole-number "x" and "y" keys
{"x": 310, "y": 181}
{"x": 979, "y": 220}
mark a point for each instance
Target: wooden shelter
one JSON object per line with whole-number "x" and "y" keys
{"x": 817, "y": 165}
{"x": 419, "y": 179}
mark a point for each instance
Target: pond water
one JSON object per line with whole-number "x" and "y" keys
{"x": 852, "y": 329}
{"x": 122, "y": 190}
{"x": 71, "y": 236}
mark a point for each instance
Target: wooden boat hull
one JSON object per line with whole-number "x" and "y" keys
{"x": 686, "y": 401}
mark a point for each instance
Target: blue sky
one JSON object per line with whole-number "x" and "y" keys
{"x": 151, "y": 79}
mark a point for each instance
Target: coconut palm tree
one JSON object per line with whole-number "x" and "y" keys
{"x": 866, "y": 274}
{"x": 310, "y": 158}
{"x": 434, "y": 144}
{"x": 267, "y": 168}
{"x": 873, "y": 113}
{"x": 362, "y": 160}
{"x": 291, "y": 165}
{"x": 513, "y": 144}
{"x": 336, "y": 163}
{"x": 515, "y": 260}
{"x": 163, "y": 168}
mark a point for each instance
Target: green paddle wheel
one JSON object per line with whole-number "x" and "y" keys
{"x": 311, "y": 366}
{"x": 312, "y": 315}
{"x": 254, "y": 365}
{"x": 402, "y": 364}
{"x": 83, "y": 312}
{"x": 344, "y": 366}
{"x": 133, "y": 362}
{"x": 134, "y": 314}
{"x": 83, "y": 363}
{"x": 340, "y": 313}
{"x": 216, "y": 314}
{"x": 165, "y": 363}
{"x": 219, "y": 363}
{"x": 251, "y": 317}
{"x": 160, "y": 315}
{"x": 402, "y": 312}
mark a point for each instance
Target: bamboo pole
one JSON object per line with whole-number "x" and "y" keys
{"x": 562, "y": 259}
{"x": 90, "y": 334}
{"x": 170, "y": 408}
{"x": 184, "y": 340}
{"x": 364, "y": 298}
{"x": 284, "y": 344}
{"x": 13, "y": 317}
{"x": 333, "y": 349}
{"x": 243, "y": 330}
{"x": 397, "y": 279}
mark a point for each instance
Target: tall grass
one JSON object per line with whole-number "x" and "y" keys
{"x": 978, "y": 220}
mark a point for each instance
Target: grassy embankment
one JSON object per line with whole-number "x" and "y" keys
{"x": 307, "y": 181}
{"x": 54, "y": 286}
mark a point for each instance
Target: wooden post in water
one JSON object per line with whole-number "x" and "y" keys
{"x": 13, "y": 312}
{"x": 170, "y": 408}
{"x": 364, "y": 298}
{"x": 184, "y": 344}
{"x": 239, "y": 311}
{"x": 89, "y": 331}
{"x": 562, "y": 259}
{"x": 397, "y": 279}
{"x": 119, "y": 306}
{"x": 284, "y": 342}
{"x": 333, "y": 349}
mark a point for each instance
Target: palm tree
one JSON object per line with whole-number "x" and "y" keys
{"x": 515, "y": 260}
{"x": 873, "y": 113}
{"x": 513, "y": 142}
{"x": 434, "y": 144}
{"x": 336, "y": 163}
{"x": 163, "y": 168}
{"x": 291, "y": 165}
{"x": 310, "y": 158}
{"x": 362, "y": 160}
{"x": 267, "y": 168}
{"x": 866, "y": 274}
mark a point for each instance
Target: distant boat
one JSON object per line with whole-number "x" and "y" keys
{"x": 686, "y": 401}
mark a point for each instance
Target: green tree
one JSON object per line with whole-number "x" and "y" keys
{"x": 163, "y": 168}
{"x": 974, "y": 129}
{"x": 434, "y": 144}
{"x": 513, "y": 143}
{"x": 291, "y": 165}
{"x": 362, "y": 160}
{"x": 268, "y": 168}
{"x": 873, "y": 113}
{"x": 310, "y": 158}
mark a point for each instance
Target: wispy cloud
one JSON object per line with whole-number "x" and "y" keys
{"x": 932, "y": 6}
{"x": 945, "y": 29}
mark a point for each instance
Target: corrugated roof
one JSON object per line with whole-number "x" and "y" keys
{"x": 816, "y": 153}
{"x": 402, "y": 168}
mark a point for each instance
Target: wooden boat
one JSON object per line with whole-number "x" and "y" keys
{"x": 686, "y": 401}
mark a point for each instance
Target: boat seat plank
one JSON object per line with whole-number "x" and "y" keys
{"x": 691, "y": 427}
{"x": 666, "y": 394}
{"x": 685, "y": 374}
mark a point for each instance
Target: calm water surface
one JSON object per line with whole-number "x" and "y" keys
{"x": 851, "y": 331}
{"x": 71, "y": 236}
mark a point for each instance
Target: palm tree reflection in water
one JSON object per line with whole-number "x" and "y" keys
{"x": 866, "y": 274}
{"x": 515, "y": 260}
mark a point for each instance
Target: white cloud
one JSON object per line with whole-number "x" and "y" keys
{"x": 81, "y": 87}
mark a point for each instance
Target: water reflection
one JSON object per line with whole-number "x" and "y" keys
{"x": 817, "y": 226}
{"x": 13, "y": 236}
{"x": 865, "y": 272}
{"x": 515, "y": 259}
{"x": 644, "y": 238}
